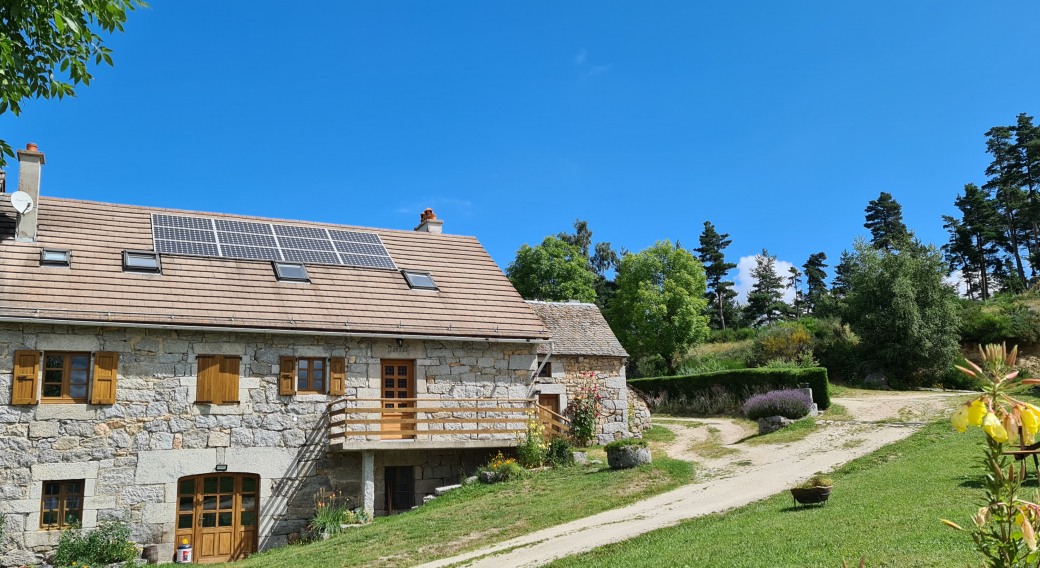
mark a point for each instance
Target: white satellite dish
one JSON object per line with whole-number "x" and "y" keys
{"x": 22, "y": 202}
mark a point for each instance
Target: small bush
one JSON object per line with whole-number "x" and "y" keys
{"x": 505, "y": 469}
{"x": 530, "y": 446}
{"x": 108, "y": 544}
{"x": 616, "y": 444}
{"x": 331, "y": 512}
{"x": 560, "y": 452}
{"x": 784, "y": 341}
{"x": 790, "y": 404}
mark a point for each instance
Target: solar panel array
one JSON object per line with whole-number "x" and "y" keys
{"x": 247, "y": 240}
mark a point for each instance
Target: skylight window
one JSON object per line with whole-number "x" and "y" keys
{"x": 141, "y": 261}
{"x": 55, "y": 257}
{"x": 419, "y": 280}
{"x": 291, "y": 272}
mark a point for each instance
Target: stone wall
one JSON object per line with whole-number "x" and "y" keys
{"x": 132, "y": 453}
{"x": 570, "y": 374}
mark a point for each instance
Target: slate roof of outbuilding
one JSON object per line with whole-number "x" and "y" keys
{"x": 577, "y": 329}
{"x": 475, "y": 299}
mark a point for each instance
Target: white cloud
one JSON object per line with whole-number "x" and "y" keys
{"x": 956, "y": 279}
{"x": 581, "y": 57}
{"x": 744, "y": 280}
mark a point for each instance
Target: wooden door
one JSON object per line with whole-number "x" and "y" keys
{"x": 398, "y": 382}
{"x": 217, "y": 515}
{"x": 549, "y": 402}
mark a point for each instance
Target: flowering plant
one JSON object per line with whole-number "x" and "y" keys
{"x": 1003, "y": 529}
{"x": 585, "y": 410}
{"x": 790, "y": 404}
{"x": 330, "y": 512}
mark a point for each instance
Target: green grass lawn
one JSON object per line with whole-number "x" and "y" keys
{"x": 886, "y": 505}
{"x": 478, "y": 515}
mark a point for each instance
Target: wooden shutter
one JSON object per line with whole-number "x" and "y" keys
{"x": 287, "y": 378}
{"x": 26, "y": 371}
{"x": 337, "y": 376}
{"x": 230, "y": 367}
{"x": 106, "y": 371}
{"x": 209, "y": 380}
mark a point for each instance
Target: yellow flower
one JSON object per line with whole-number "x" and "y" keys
{"x": 1028, "y": 535}
{"x": 994, "y": 428}
{"x": 1030, "y": 420}
{"x": 960, "y": 419}
{"x": 976, "y": 412}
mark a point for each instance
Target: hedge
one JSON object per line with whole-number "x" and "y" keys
{"x": 738, "y": 380}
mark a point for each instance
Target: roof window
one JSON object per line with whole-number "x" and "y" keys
{"x": 291, "y": 272}
{"x": 141, "y": 261}
{"x": 55, "y": 257}
{"x": 418, "y": 280}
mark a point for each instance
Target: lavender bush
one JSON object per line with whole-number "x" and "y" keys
{"x": 787, "y": 403}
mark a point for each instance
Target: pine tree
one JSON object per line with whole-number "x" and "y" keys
{"x": 765, "y": 300}
{"x": 1004, "y": 185}
{"x": 884, "y": 217}
{"x": 974, "y": 238}
{"x": 815, "y": 280}
{"x": 1027, "y": 163}
{"x": 794, "y": 281}
{"x": 720, "y": 292}
{"x": 842, "y": 273}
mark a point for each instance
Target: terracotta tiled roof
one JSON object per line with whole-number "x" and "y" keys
{"x": 475, "y": 298}
{"x": 577, "y": 329}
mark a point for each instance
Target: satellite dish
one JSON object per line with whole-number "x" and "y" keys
{"x": 22, "y": 202}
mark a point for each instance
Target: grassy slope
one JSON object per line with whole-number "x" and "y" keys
{"x": 478, "y": 515}
{"x": 886, "y": 505}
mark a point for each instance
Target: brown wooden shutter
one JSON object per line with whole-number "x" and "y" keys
{"x": 230, "y": 367}
{"x": 106, "y": 371}
{"x": 287, "y": 378}
{"x": 26, "y": 371}
{"x": 209, "y": 380}
{"x": 337, "y": 376}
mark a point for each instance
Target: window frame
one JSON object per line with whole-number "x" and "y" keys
{"x": 141, "y": 269}
{"x": 219, "y": 387}
{"x": 546, "y": 371}
{"x": 310, "y": 380}
{"x": 62, "y": 510}
{"x": 407, "y": 278}
{"x": 66, "y": 378}
{"x": 64, "y": 263}
{"x": 277, "y": 264}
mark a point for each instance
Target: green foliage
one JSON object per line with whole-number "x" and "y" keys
{"x": 786, "y": 341}
{"x": 884, "y": 217}
{"x": 1003, "y": 319}
{"x": 553, "y": 271}
{"x": 765, "y": 300}
{"x": 903, "y": 311}
{"x": 560, "y": 452}
{"x": 817, "y": 481}
{"x": 505, "y": 469}
{"x": 815, "y": 280}
{"x": 804, "y": 361}
{"x": 740, "y": 381}
{"x": 659, "y": 302}
{"x": 618, "y": 444}
{"x": 530, "y": 447}
{"x": 585, "y": 409}
{"x": 109, "y": 543}
{"x": 47, "y": 46}
{"x": 730, "y": 335}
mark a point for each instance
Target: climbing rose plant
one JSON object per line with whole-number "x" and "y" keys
{"x": 584, "y": 412}
{"x": 1003, "y": 529}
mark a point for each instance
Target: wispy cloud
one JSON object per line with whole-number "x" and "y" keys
{"x": 581, "y": 57}
{"x": 599, "y": 69}
{"x": 744, "y": 280}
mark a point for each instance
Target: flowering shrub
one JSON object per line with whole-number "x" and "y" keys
{"x": 1003, "y": 529}
{"x": 108, "y": 544}
{"x": 585, "y": 410}
{"x": 787, "y": 403}
{"x": 332, "y": 511}
{"x": 505, "y": 469}
{"x": 530, "y": 445}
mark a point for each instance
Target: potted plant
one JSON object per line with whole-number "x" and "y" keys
{"x": 816, "y": 490}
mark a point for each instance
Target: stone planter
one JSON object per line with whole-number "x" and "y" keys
{"x": 812, "y": 495}
{"x": 627, "y": 456}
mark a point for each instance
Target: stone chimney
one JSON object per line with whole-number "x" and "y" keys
{"x": 428, "y": 222}
{"x": 30, "y": 161}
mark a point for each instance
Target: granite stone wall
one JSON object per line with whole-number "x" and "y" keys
{"x": 132, "y": 453}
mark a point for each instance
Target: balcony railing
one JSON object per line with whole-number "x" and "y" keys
{"x": 377, "y": 423}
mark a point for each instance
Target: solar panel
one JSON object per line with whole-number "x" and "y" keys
{"x": 223, "y": 238}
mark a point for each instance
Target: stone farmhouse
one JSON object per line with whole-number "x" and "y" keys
{"x": 203, "y": 375}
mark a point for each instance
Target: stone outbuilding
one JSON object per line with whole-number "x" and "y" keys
{"x": 586, "y": 354}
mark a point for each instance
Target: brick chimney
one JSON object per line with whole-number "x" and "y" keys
{"x": 428, "y": 222}
{"x": 30, "y": 162}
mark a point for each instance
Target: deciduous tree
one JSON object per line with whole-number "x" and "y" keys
{"x": 659, "y": 302}
{"x": 554, "y": 271}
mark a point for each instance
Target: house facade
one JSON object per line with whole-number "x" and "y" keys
{"x": 202, "y": 375}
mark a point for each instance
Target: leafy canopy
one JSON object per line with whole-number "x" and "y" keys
{"x": 902, "y": 310}
{"x": 553, "y": 271}
{"x": 659, "y": 302}
{"x": 46, "y": 47}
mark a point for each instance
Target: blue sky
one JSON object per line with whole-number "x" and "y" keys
{"x": 777, "y": 121}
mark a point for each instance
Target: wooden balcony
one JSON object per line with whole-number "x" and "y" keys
{"x": 419, "y": 423}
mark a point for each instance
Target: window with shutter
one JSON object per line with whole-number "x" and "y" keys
{"x": 218, "y": 379}
{"x": 287, "y": 376}
{"x": 26, "y": 373}
{"x": 337, "y": 376}
{"x": 106, "y": 370}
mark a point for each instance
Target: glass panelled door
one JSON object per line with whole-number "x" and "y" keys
{"x": 217, "y": 515}
{"x": 398, "y": 383}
